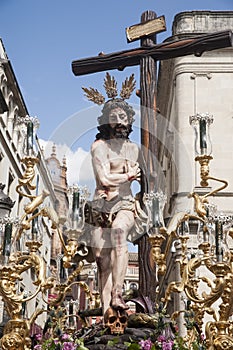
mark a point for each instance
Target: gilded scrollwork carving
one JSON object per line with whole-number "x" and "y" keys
{"x": 206, "y": 295}
{"x": 17, "y": 330}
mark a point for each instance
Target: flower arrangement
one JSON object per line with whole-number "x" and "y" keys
{"x": 168, "y": 337}
{"x": 63, "y": 342}
{"x": 165, "y": 336}
{"x": 54, "y": 336}
{"x": 163, "y": 343}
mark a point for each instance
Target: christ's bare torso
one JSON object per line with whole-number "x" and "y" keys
{"x": 115, "y": 166}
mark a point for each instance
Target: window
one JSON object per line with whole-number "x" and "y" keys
{"x": 10, "y": 181}
{"x": 1, "y": 156}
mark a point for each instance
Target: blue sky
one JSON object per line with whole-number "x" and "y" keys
{"x": 43, "y": 37}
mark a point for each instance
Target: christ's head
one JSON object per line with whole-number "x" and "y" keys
{"x": 116, "y": 120}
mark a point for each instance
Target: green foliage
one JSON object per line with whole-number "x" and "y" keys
{"x": 179, "y": 344}
{"x": 132, "y": 346}
{"x": 113, "y": 342}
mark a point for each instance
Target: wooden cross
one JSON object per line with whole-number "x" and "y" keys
{"x": 146, "y": 56}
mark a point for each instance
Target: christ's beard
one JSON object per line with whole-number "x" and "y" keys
{"x": 120, "y": 131}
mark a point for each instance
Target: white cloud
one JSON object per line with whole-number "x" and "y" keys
{"x": 79, "y": 167}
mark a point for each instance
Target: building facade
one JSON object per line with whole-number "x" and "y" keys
{"x": 59, "y": 179}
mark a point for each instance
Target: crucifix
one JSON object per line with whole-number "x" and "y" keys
{"x": 147, "y": 56}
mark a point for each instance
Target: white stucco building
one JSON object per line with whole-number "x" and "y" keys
{"x": 189, "y": 85}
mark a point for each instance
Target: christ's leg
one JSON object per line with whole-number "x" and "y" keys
{"x": 121, "y": 226}
{"x": 101, "y": 247}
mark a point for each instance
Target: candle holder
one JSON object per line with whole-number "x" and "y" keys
{"x": 15, "y": 263}
{"x": 201, "y": 123}
{"x": 217, "y": 259}
{"x": 28, "y": 126}
{"x": 76, "y": 250}
{"x": 155, "y": 202}
{"x": 207, "y": 295}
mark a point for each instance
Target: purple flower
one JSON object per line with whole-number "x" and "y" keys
{"x": 65, "y": 336}
{"x": 69, "y": 346}
{"x": 145, "y": 344}
{"x": 167, "y": 345}
{"x": 38, "y": 336}
{"x": 161, "y": 338}
{"x": 37, "y": 347}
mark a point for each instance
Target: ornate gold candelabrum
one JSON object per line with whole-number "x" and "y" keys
{"x": 15, "y": 261}
{"x": 74, "y": 252}
{"x": 206, "y": 278}
{"x": 17, "y": 330}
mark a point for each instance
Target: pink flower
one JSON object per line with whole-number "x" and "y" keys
{"x": 161, "y": 338}
{"x": 145, "y": 344}
{"x": 38, "y": 336}
{"x": 68, "y": 346}
{"x": 37, "y": 347}
{"x": 167, "y": 345}
{"x": 65, "y": 336}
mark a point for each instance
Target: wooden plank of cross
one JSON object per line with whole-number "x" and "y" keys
{"x": 148, "y": 92}
{"x": 147, "y": 28}
{"x": 170, "y": 49}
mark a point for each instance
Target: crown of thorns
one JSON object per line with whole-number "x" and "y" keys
{"x": 110, "y": 86}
